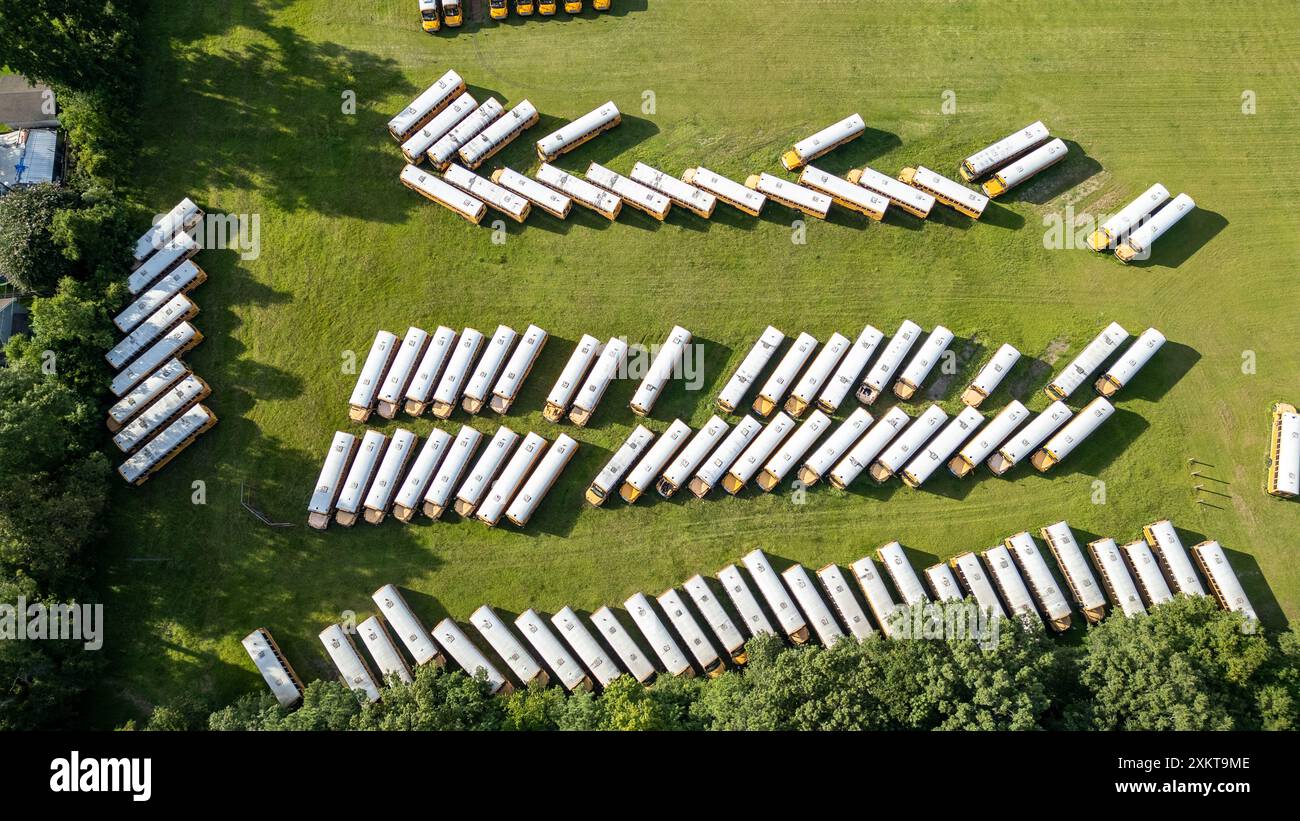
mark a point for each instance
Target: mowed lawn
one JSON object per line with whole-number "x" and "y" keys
{"x": 243, "y": 112}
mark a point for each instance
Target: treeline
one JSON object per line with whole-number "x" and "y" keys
{"x": 1187, "y": 666}
{"x": 67, "y": 249}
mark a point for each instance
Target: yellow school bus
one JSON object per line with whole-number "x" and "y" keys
{"x": 497, "y": 9}
{"x": 451, "y": 14}
{"x": 573, "y": 6}
{"x": 429, "y": 16}
{"x": 546, "y": 7}
{"x": 524, "y": 8}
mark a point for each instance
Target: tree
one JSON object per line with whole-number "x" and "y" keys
{"x": 79, "y": 45}
{"x": 40, "y": 681}
{"x": 71, "y": 331}
{"x": 1186, "y": 666}
{"x": 29, "y": 256}
{"x": 437, "y": 699}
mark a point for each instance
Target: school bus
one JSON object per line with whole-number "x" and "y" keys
{"x": 429, "y": 16}
{"x": 497, "y": 9}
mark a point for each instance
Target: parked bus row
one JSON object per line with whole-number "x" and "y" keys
{"x": 369, "y": 478}
{"x": 1132, "y": 231}
{"x": 436, "y": 14}
{"x": 159, "y": 409}
{"x": 444, "y": 370}
{"x": 702, "y": 627}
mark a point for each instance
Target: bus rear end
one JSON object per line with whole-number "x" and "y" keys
{"x": 600, "y": 5}
{"x": 525, "y": 8}
{"x": 451, "y": 12}
{"x": 497, "y": 9}
{"x": 573, "y": 6}
{"x": 546, "y": 7}
{"x": 429, "y": 16}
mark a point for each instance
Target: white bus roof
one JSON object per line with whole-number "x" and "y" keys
{"x": 513, "y": 123}
{"x": 1135, "y": 356}
{"x": 715, "y": 615}
{"x": 1033, "y": 434}
{"x": 611, "y": 476}
{"x": 507, "y": 202}
{"x": 589, "y": 395}
{"x": 820, "y": 369}
{"x": 996, "y": 369}
{"x": 453, "y": 466}
{"x": 727, "y": 190}
{"x": 782, "y": 378}
{"x": 896, "y": 190}
{"x": 1089, "y": 359}
{"x": 839, "y": 442}
{"x": 178, "y": 280}
{"x": 487, "y": 466}
{"x": 499, "y": 637}
{"x": 845, "y": 602}
{"x": 184, "y": 393}
{"x": 910, "y": 440}
{"x": 518, "y": 367}
{"x": 861, "y": 455}
{"x": 392, "y": 605}
{"x": 830, "y": 136}
{"x": 688, "y": 628}
{"x": 388, "y": 660}
{"x": 1146, "y": 571}
{"x": 1214, "y": 563}
{"x": 974, "y": 577}
{"x": 178, "y": 249}
{"x": 850, "y": 369}
{"x": 1069, "y": 557}
{"x": 689, "y": 458}
{"x": 429, "y": 370}
{"x": 629, "y": 190}
{"x": 372, "y": 371}
{"x": 900, "y": 570}
{"x": 437, "y": 128}
{"x": 813, "y": 605}
{"x": 661, "y": 370}
{"x": 466, "y": 654}
{"x": 950, "y": 189}
{"x": 433, "y": 97}
{"x": 177, "y": 308}
{"x": 274, "y": 669}
{"x": 552, "y": 651}
{"x": 444, "y": 150}
{"x": 1042, "y": 584}
{"x": 650, "y": 625}
{"x": 566, "y": 385}
{"x": 462, "y": 357}
{"x": 489, "y": 363}
{"x": 331, "y": 473}
{"x": 559, "y": 141}
{"x": 1080, "y": 427}
{"x": 1156, "y": 226}
{"x": 176, "y": 342}
{"x": 183, "y": 216}
{"x": 584, "y": 644}
{"x": 793, "y": 195}
{"x": 624, "y": 646}
{"x": 512, "y": 478}
{"x": 840, "y": 189}
{"x": 882, "y": 604}
{"x": 356, "y": 674}
{"x": 404, "y": 364}
{"x": 1007, "y": 578}
{"x": 900, "y": 343}
{"x": 443, "y": 193}
{"x": 538, "y": 484}
{"x": 792, "y": 451}
{"x": 1033, "y": 162}
{"x": 1004, "y": 150}
{"x": 579, "y": 189}
{"x": 1122, "y": 222}
{"x": 762, "y": 446}
{"x": 774, "y": 592}
{"x": 1123, "y": 592}
{"x": 387, "y": 477}
{"x": 544, "y": 197}
{"x": 658, "y": 455}
{"x": 926, "y": 356}
{"x": 943, "y": 583}
{"x": 929, "y": 458}
{"x": 147, "y": 391}
{"x": 742, "y": 598}
{"x": 684, "y": 194}
{"x": 1173, "y": 557}
{"x": 362, "y": 472}
{"x": 992, "y": 435}
{"x": 721, "y": 460}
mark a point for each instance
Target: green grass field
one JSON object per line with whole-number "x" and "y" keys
{"x": 242, "y": 112}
